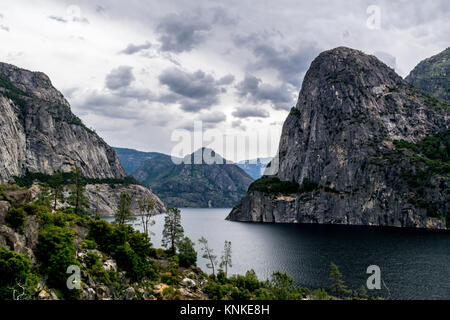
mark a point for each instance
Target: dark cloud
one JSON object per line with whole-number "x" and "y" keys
{"x": 222, "y": 17}
{"x": 100, "y": 9}
{"x": 250, "y": 112}
{"x": 253, "y": 89}
{"x": 119, "y": 78}
{"x": 58, "y": 19}
{"x": 213, "y": 117}
{"x": 133, "y": 48}
{"x": 290, "y": 64}
{"x": 237, "y": 124}
{"x": 178, "y": 33}
{"x": 226, "y": 80}
{"x": 193, "y": 91}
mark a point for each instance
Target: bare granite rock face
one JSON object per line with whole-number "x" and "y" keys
{"x": 340, "y": 137}
{"x": 39, "y": 132}
{"x": 106, "y": 197}
{"x": 103, "y": 198}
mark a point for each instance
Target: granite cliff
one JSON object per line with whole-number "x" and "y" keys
{"x": 39, "y": 132}
{"x": 361, "y": 147}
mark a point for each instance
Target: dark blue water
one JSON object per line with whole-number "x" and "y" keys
{"x": 414, "y": 264}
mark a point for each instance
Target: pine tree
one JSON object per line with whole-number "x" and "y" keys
{"x": 208, "y": 254}
{"x": 187, "y": 253}
{"x": 338, "y": 287}
{"x": 363, "y": 292}
{"x": 123, "y": 213}
{"x": 43, "y": 196}
{"x": 77, "y": 198}
{"x": 56, "y": 184}
{"x": 173, "y": 231}
{"x": 226, "y": 257}
{"x": 147, "y": 207}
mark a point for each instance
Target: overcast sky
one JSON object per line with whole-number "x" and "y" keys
{"x": 137, "y": 70}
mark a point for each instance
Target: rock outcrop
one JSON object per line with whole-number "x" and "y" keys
{"x": 39, "y": 132}
{"x": 340, "y": 146}
{"x": 105, "y": 198}
{"x": 433, "y": 75}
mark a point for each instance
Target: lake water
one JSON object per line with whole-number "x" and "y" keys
{"x": 415, "y": 264}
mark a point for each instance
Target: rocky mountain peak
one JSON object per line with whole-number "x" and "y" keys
{"x": 33, "y": 84}
{"x": 41, "y": 134}
{"x": 352, "y": 108}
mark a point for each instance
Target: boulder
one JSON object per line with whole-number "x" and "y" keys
{"x": 87, "y": 294}
{"x": 16, "y": 197}
{"x": 188, "y": 282}
{"x": 4, "y": 208}
{"x": 103, "y": 292}
{"x": 110, "y": 265}
{"x": 129, "y": 294}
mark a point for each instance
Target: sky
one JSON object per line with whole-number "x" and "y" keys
{"x": 145, "y": 74}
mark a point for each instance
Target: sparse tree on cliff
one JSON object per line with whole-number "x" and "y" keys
{"x": 43, "y": 196}
{"x": 226, "y": 257}
{"x": 208, "y": 254}
{"x": 56, "y": 184}
{"x": 77, "y": 198}
{"x": 147, "y": 207}
{"x": 123, "y": 213}
{"x": 173, "y": 230}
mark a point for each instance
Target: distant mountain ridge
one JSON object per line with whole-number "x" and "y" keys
{"x": 193, "y": 184}
{"x": 132, "y": 159}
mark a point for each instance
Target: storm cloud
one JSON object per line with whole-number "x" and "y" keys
{"x": 133, "y": 48}
{"x": 193, "y": 91}
{"x": 181, "y": 32}
{"x": 119, "y": 77}
{"x": 254, "y": 90}
{"x": 250, "y": 112}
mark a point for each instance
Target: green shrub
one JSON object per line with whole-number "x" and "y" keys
{"x": 170, "y": 293}
{"x": 89, "y": 244}
{"x": 100, "y": 231}
{"x": 15, "y": 268}
{"x": 320, "y": 294}
{"x": 249, "y": 281}
{"x": 56, "y": 251}
{"x": 137, "y": 267}
{"x": 131, "y": 249}
{"x": 15, "y": 218}
{"x": 274, "y": 185}
{"x": 33, "y": 209}
{"x": 94, "y": 264}
{"x": 186, "y": 253}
